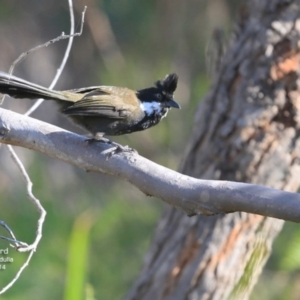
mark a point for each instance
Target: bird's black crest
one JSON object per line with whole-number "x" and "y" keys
{"x": 168, "y": 84}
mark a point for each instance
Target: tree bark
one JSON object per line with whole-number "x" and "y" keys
{"x": 246, "y": 129}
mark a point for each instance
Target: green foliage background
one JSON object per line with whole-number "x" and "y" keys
{"x": 98, "y": 228}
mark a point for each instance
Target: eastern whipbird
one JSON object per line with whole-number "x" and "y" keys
{"x": 103, "y": 110}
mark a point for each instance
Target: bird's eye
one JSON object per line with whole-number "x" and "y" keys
{"x": 159, "y": 96}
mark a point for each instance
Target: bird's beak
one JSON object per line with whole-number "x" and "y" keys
{"x": 173, "y": 103}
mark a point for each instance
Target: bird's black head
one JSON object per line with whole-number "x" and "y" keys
{"x": 167, "y": 85}
{"x": 162, "y": 92}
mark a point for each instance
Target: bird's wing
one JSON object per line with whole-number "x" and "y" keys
{"x": 104, "y": 101}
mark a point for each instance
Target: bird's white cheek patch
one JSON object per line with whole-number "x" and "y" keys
{"x": 151, "y": 107}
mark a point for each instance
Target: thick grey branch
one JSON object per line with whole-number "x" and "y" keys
{"x": 193, "y": 196}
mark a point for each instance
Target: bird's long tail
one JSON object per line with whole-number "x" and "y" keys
{"x": 19, "y": 88}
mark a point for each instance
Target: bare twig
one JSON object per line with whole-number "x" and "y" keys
{"x": 65, "y": 58}
{"x": 57, "y": 39}
{"x": 17, "y": 243}
{"x": 21, "y": 246}
{"x": 35, "y": 201}
{"x": 67, "y": 52}
{"x": 13, "y": 238}
{"x": 23, "y": 267}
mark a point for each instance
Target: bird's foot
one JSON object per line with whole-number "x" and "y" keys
{"x": 118, "y": 148}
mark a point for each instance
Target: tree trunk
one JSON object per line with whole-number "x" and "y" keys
{"x": 246, "y": 129}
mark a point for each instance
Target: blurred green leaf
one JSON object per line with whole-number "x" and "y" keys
{"x": 78, "y": 257}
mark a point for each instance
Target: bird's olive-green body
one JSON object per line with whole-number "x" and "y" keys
{"x": 103, "y": 110}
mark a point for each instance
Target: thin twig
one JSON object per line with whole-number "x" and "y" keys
{"x": 66, "y": 56}
{"x": 13, "y": 239}
{"x": 8, "y": 286}
{"x": 35, "y": 201}
{"x": 19, "y": 243}
{"x": 57, "y": 39}
{"x": 20, "y": 246}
